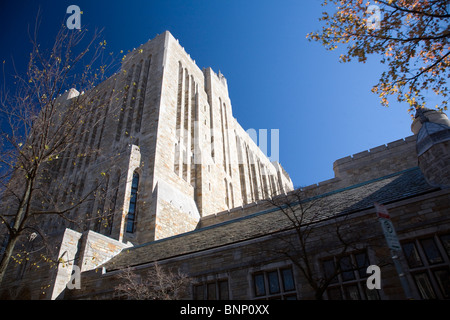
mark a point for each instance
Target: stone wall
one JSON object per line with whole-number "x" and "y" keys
{"x": 66, "y": 261}
{"x": 199, "y": 143}
{"x": 46, "y": 272}
{"x": 350, "y": 171}
{"x": 377, "y": 162}
{"x": 236, "y": 262}
{"x": 435, "y": 164}
{"x": 95, "y": 249}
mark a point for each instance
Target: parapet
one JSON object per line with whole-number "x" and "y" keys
{"x": 361, "y": 167}
{"x": 209, "y": 75}
{"x": 377, "y": 162}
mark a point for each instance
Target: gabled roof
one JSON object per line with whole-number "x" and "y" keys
{"x": 387, "y": 189}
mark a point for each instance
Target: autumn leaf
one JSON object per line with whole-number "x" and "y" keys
{"x": 412, "y": 39}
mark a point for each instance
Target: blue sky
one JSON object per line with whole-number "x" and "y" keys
{"x": 277, "y": 79}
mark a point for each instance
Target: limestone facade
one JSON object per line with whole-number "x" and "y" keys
{"x": 168, "y": 124}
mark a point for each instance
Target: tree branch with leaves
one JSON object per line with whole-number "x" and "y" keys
{"x": 412, "y": 39}
{"x": 40, "y": 126}
{"x": 316, "y": 229}
{"x": 157, "y": 284}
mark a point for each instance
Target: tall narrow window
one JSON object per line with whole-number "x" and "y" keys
{"x": 194, "y": 111}
{"x": 185, "y": 130}
{"x": 227, "y": 199}
{"x": 231, "y": 195}
{"x": 222, "y": 121}
{"x": 126, "y": 90}
{"x": 131, "y": 217}
{"x": 211, "y": 127}
{"x": 105, "y": 106}
{"x": 134, "y": 91}
{"x": 143, "y": 89}
{"x": 179, "y": 122}
{"x": 112, "y": 207}
{"x": 250, "y": 175}
{"x": 228, "y": 140}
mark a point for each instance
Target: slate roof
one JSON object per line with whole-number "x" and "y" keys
{"x": 387, "y": 189}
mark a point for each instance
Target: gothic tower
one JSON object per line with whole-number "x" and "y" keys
{"x": 170, "y": 150}
{"x": 433, "y": 145}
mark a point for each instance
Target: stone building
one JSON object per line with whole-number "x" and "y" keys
{"x": 168, "y": 146}
{"x": 205, "y": 200}
{"x": 160, "y": 151}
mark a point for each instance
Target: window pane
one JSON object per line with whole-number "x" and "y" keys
{"x": 132, "y": 206}
{"x": 260, "y": 288}
{"x": 199, "y": 292}
{"x": 212, "y": 291}
{"x": 411, "y": 254}
{"x": 362, "y": 261}
{"x": 129, "y": 226}
{"x": 346, "y": 267}
{"x": 328, "y": 267}
{"x": 274, "y": 285}
{"x": 135, "y": 182}
{"x": 443, "y": 278}
{"x": 424, "y": 286}
{"x": 334, "y": 293}
{"x": 446, "y": 243}
{"x": 431, "y": 251}
{"x": 288, "y": 280}
{"x": 223, "y": 290}
{"x": 352, "y": 292}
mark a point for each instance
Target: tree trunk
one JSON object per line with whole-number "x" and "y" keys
{"x": 7, "y": 256}
{"x": 318, "y": 295}
{"x": 14, "y": 232}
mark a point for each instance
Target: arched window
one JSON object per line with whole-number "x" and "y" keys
{"x": 131, "y": 217}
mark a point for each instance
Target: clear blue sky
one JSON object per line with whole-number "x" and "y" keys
{"x": 276, "y": 78}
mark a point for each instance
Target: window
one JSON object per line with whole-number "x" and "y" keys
{"x": 428, "y": 262}
{"x": 411, "y": 255}
{"x": 287, "y": 279}
{"x": 445, "y": 239}
{"x": 260, "y": 289}
{"x": 431, "y": 251}
{"x": 329, "y": 270}
{"x": 347, "y": 269}
{"x": 214, "y": 290}
{"x": 348, "y": 282}
{"x": 131, "y": 217}
{"x": 274, "y": 284}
